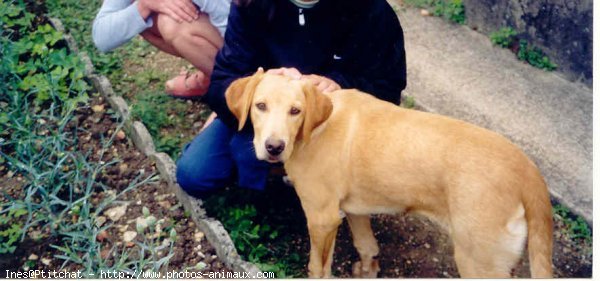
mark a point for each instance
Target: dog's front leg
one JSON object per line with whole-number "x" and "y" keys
{"x": 322, "y": 228}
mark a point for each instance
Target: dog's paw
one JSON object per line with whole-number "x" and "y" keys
{"x": 369, "y": 271}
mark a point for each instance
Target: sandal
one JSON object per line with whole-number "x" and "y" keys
{"x": 186, "y": 85}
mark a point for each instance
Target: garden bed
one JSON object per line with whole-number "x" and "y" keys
{"x": 75, "y": 193}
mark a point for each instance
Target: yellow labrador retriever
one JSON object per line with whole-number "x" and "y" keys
{"x": 348, "y": 150}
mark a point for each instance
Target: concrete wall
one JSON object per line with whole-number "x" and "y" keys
{"x": 561, "y": 28}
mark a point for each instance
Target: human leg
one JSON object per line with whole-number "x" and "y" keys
{"x": 206, "y": 162}
{"x": 209, "y": 161}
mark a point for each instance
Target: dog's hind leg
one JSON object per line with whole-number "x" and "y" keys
{"x": 322, "y": 228}
{"x": 366, "y": 245}
{"x": 489, "y": 254}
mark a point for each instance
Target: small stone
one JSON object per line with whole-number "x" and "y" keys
{"x": 163, "y": 196}
{"x": 201, "y": 255}
{"x": 33, "y": 257}
{"x": 198, "y": 236}
{"x": 123, "y": 168}
{"x": 435, "y": 260}
{"x": 139, "y": 202}
{"x": 46, "y": 261}
{"x": 102, "y": 235}
{"x": 105, "y": 253}
{"x": 10, "y": 174}
{"x": 408, "y": 262}
{"x": 35, "y": 235}
{"x": 427, "y": 246}
{"x": 123, "y": 228}
{"x": 100, "y": 220}
{"x": 120, "y": 135}
{"x": 165, "y": 204}
{"x": 128, "y": 236}
{"x": 425, "y": 13}
{"x": 98, "y": 108}
{"x": 116, "y": 213}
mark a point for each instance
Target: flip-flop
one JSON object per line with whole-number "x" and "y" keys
{"x": 186, "y": 85}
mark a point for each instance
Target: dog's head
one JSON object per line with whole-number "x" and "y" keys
{"x": 282, "y": 111}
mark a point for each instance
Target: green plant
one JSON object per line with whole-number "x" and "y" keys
{"x": 534, "y": 56}
{"x": 503, "y": 37}
{"x": 170, "y": 145}
{"x": 452, "y": 10}
{"x": 408, "y": 102}
{"x": 261, "y": 231}
{"x": 576, "y": 227}
{"x": 11, "y": 229}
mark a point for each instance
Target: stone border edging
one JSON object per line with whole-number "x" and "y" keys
{"x": 213, "y": 229}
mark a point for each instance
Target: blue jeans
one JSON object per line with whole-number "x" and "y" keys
{"x": 210, "y": 160}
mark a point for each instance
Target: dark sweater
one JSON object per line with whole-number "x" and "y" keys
{"x": 357, "y": 43}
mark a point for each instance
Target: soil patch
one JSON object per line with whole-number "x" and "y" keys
{"x": 99, "y": 122}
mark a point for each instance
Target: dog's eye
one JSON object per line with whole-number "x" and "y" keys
{"x": 294, "y": 111}
{"x": 261, "y": 106}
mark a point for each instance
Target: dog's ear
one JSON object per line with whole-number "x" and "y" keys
{"x": 317, "y": 109}
{"x": 239, "y": 96}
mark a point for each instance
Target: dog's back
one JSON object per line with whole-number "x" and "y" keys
{"x": 475, "y": 182}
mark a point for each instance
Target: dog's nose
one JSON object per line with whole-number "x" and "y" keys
{"x": 274, "y": 147}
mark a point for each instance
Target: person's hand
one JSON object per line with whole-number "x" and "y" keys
{"x": 322, "y": 83}
{"x": 179, "y": 10}
{"x": 291, "y": 72}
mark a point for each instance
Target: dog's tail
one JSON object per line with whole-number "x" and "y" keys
{"x": 538, "y": 212}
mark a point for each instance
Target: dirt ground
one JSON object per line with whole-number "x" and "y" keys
{"x": 190, "y": 247}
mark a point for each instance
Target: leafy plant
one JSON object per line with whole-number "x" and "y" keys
{"x": 503, "y": 37}
{"x": 534, "y": 56}
{"x": 576, "y": 227}
{"x": 452, "y": 10}
{"x": 408, "y": 102}
{"x": 170, "y": 145}
{"x": 11, "y": 229}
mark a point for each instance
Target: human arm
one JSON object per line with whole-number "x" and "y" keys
{"x": 118, "y": 21}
